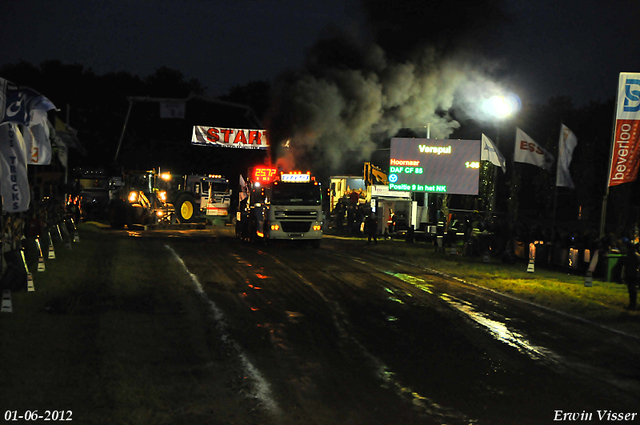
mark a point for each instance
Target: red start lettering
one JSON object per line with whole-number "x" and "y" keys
{"x": 213, "y": 135}
{"x": 227, "y": 134}
{"x": 255, "y": 137}
{"x": 240, "y": 137}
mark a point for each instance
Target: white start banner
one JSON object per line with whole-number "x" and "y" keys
{"x": 229, "y": 137}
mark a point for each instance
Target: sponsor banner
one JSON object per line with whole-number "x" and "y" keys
{"x": 566, "y": 145}
{"x": 625, "y": 151}
{"x": 13, "y": 169}
{"x": 529, "y": 152}
{"x": 38, "y": 146}
{"x": 17, "y": 103}
{"x": 229, "y": 137}
{"x": 491, "y": 153}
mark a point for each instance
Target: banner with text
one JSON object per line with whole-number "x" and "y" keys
{"x": 229, "y": 137}
{"x": 529, "y": 152}
{"x": 13, "y": 170}
{"x": 625, "y": 151}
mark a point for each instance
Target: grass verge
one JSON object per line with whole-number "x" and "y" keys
{"x": 114, "y": 335}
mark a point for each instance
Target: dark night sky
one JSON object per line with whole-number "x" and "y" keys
{"x": 544, "y": 48}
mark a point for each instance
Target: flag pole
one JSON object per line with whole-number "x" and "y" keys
{"x": 555, "y": 185}
{"x": 603, "y": 214}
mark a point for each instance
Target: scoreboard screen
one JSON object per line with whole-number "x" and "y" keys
{"x": 435, "y": 165}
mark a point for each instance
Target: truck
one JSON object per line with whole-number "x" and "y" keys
{"x": 136, "y": 200}
{"x": 93, "y": 187}
{"x": 281, "y": 206}
{"x": 153, "y": 197}
{"x": 394, "y": 210}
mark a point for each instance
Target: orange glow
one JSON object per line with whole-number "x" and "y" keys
{"x": 261, "y": 276}
{"x": 255, "y": 309}
{"x": 275, "y": 227}
{"x": 317, "y": 227}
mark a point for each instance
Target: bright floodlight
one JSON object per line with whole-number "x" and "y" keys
{"x": 498, "y": 106}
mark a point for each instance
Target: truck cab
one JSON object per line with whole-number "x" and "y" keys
{"x": 287, "y": 208}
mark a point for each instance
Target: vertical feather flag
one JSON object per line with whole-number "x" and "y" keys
{"x": 566, "y": 145}
{"x": 491, "y": 153}
{"x": 13, "y": 170}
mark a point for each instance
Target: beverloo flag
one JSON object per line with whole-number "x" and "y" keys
{"x": 13, "y": 170}
{"x": 566, "y": 145}
{"x": 529, "y": 152}
{"x": 491, "y": 153}
{"x": 625, "y": 151}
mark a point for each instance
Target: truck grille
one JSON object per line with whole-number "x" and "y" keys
{"x": 296, "y": 214}
{"x": 296, "y": 226}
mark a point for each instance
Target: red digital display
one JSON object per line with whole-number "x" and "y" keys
{"x": 264, "y": 174}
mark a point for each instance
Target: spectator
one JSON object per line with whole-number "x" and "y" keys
{"x": 371, "y": 227}
{"x": 391, "y": 222}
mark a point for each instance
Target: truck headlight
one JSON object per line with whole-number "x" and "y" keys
{"x": 133, "y": 196}
{"x": 162, "y": 195}
{"x": 275, "y": 227}
{"x": 317, "y": 227}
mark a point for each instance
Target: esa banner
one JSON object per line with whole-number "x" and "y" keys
{"x": 13, "y": 169}
{"x": 625, "y": 151}
{"x": 229, "y": 137}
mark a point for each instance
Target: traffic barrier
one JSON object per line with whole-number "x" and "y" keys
{"x": 531, "y": 268}
{"x": 76, "y": 235}
{"x": 41, "y": 266}
{"x": 59, "y": 232}
{"x": 6, "y": 307}
{"x": 52, "y": 250}
{"x": 588, "y": 280}
{"x": 30, "y": 286}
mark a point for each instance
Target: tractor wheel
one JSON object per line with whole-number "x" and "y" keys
{"x": 186, "y": 208}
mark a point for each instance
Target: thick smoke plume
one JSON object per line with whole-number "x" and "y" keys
{"x": 350, "y": 98}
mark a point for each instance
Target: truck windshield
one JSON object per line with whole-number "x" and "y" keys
{"x": 217, "y": 187}
{"x": 296, "y": 193}
{"x": 94, "y": 184}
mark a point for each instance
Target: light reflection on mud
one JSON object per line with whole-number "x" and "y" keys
{"x": 413, "y": 280}
{"x": 499, "y": 330}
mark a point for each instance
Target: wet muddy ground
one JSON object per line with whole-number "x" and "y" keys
{"x": 338, "y": 335}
